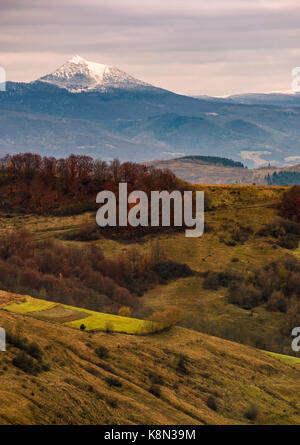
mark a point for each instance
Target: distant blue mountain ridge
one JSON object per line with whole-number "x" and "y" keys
{"x": 92, "y": 109}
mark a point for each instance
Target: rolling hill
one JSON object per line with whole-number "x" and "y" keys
{"x": 200, "y": 171}
{"x": 224, "y": 364}
{"x": 233, "y": 208}
{"x": 142, "y": 380}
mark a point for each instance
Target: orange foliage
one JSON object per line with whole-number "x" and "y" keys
{"x": 169, "y": 317}
{"x": 290, "y": 205}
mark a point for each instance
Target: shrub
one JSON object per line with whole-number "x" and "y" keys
{"x": 289, "y": 241}
{"x": 46, "y": 367}
{"x": 26, "y": 363}
{"x": 93, "y": 371}
{"x": 109, "y": 327}
{"x": 167, "y": 318}
{"x": 155, "y": 390}
{"x": 124, "y": 311}
{"x": 241, "y": 234}
{"x": 286, "y": 232}
{"x": 277, "y": 302}
{"x": 292, "y": 317}
{"x": 35, "y": 351}
{"x": 235, "y": 234}
{"x": 212, "y": 403}
{"x": 252, "y": 412}
{"x": 113, "y": 381}
{"x": 16, "y": 340}
{"x": 155, "y": 378}
{"x": 170, "y": 269}
{"x": 31, "y": 349}
{"x": 106, "y": 367}
{"x": 102, "y": 352}
{"x": 244, "y": 294}
{"x": 277, "y": 284}
{"x": 280, "y": 227}
{"x": 211, "y": 281}
{"x": 229, "y": 275}
{"x": 82, "y": 327}
{"x": 181, "y": 365}
{"x": 113, "y": 403}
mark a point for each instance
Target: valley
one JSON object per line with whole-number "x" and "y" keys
{"x": 72, "y": 359}
{"x": 206, "y": 310}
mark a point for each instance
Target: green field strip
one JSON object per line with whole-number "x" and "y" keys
{"x": 30, "y": 305}
{"x": 288, "y": 359}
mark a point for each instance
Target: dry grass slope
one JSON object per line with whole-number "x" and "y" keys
{"x": 80, "y": 388}
{"x": 199, "y": 172}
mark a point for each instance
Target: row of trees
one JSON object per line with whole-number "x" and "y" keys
{"x": 217, "y": 160}
{"x": 31, "y": 183}
{"x": 283, "y": 178}
{"x": 79, "y": 276}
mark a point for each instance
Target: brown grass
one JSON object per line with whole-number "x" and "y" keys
{"x": 9, "y": 298}
{"x": 75, "y": 391}
{"x": 59, "y": 314}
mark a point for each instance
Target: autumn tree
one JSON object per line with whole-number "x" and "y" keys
{"x": 290, "y": 204}
{"x": 167, "y": 318}
{"x": 124, "y": 311}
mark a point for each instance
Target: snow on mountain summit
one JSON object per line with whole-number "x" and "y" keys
{"x": 78, "y": 74}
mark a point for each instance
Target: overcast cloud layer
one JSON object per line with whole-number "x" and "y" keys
{"x": 214, "y": 47}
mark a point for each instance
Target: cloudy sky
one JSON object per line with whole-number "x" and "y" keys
{"x": 214, "y": 47}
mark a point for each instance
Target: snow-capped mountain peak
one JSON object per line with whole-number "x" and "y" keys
{"x": 95, "y": 70}
{"x": 78, "y": 74}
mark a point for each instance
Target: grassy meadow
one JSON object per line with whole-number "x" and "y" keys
{"x": 29, "y": 305}
{"x": 294, "y": 361}
{"x": 80, "y": 318}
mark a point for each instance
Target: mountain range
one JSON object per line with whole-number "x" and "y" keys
{"x": 277, "y": 99}
{"x": 99, "y": 110}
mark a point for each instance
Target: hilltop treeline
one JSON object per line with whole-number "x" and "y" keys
{"x": 30, "y": 183}
{"x": 215, "y": 160}
{"x": 80, "y": 276}
{"x": 283, "y": 178}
